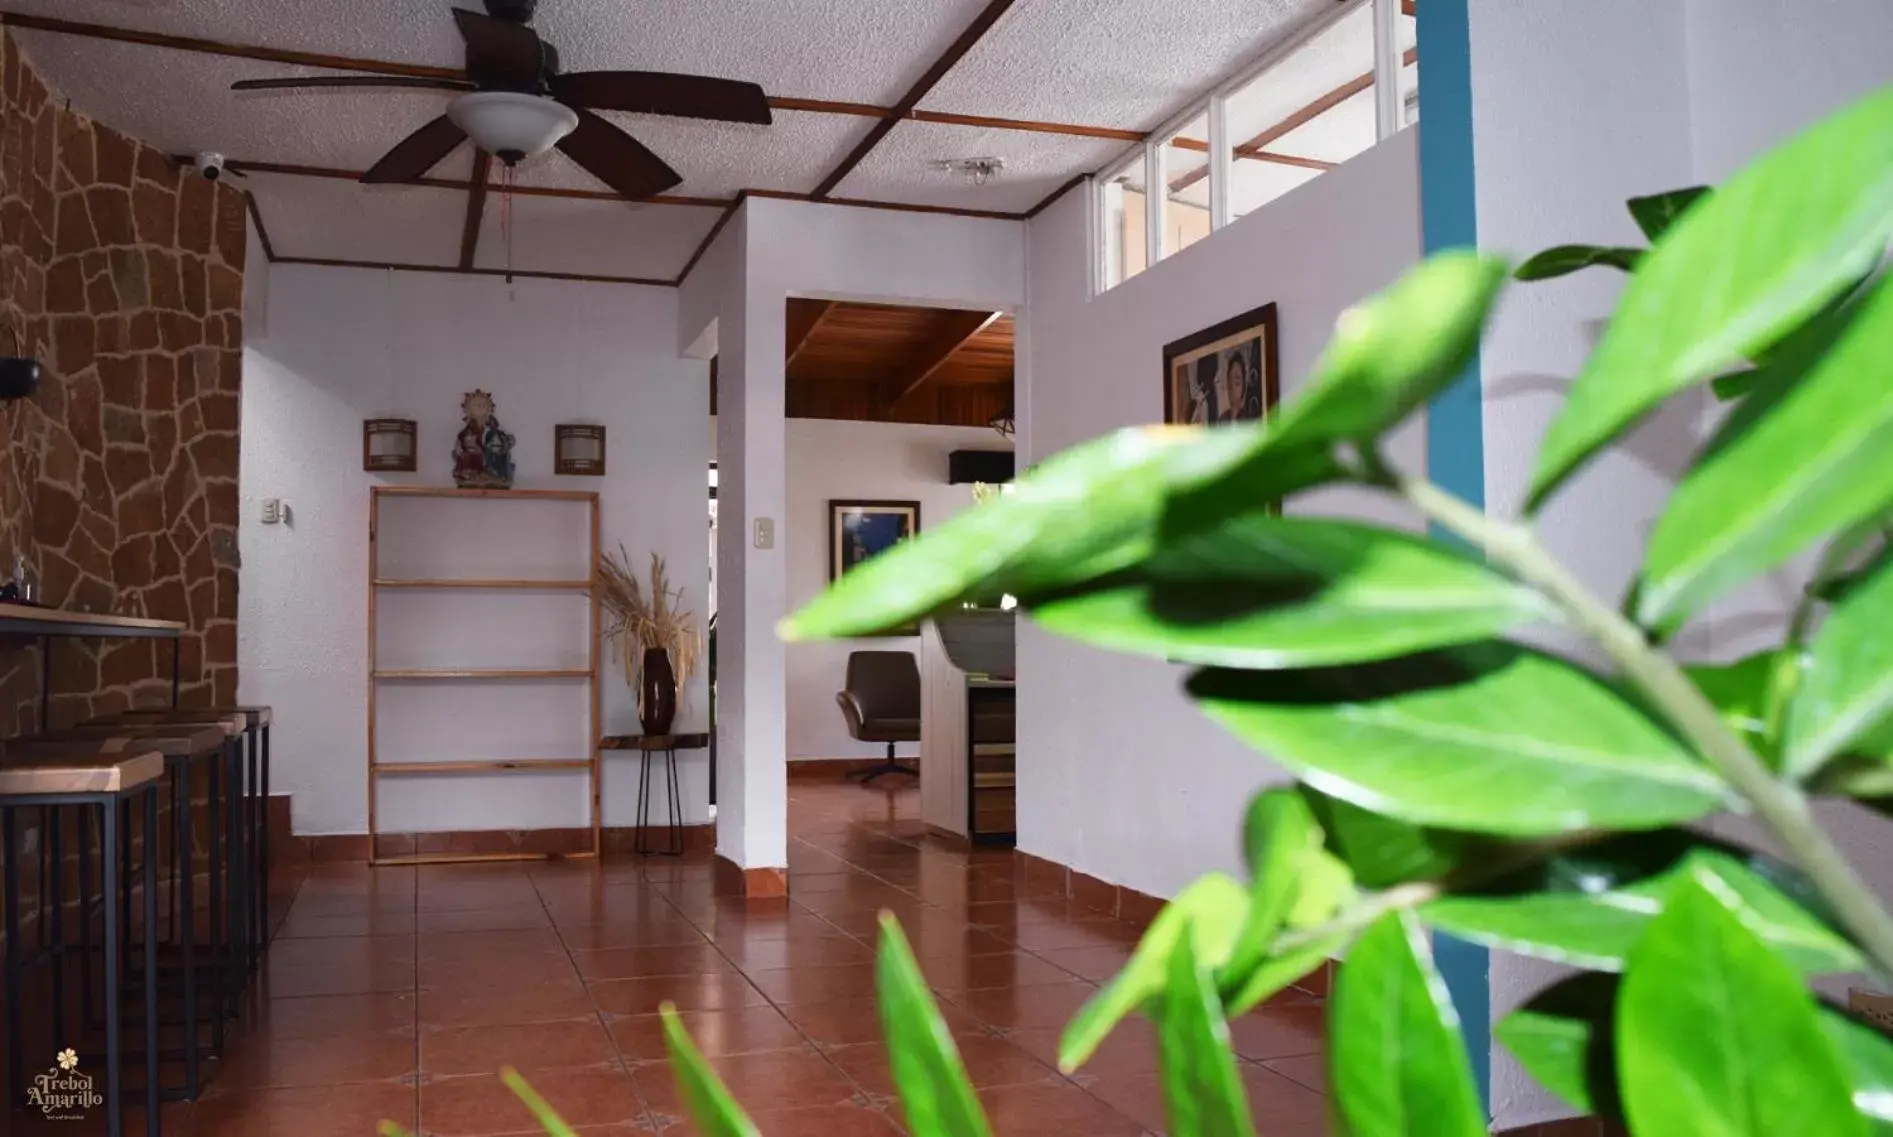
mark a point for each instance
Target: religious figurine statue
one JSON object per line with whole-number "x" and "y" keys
{"x": 483, "y": 451}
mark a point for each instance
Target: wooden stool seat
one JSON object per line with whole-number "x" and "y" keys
{"x": 173, "y": 740}
{"x": 25, "y": 771}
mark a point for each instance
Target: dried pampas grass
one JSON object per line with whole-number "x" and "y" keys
{"x": 634, "y": 624}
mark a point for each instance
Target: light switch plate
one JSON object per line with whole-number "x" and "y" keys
{"x": 765, "y": 533}
{"x": 272, "y": 510}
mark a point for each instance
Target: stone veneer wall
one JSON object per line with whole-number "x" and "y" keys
{"x": 124, "y": 275}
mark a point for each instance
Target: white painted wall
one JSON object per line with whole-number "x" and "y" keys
{"x": 341, "y": 345}
{"x": 835, "y": 460}
{"x": 1579, "y": 104}
{"x": 734, "y": 304}
{"x": 1119, "y": 775}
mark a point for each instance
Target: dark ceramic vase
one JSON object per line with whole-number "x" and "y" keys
{"x": 660, "y": 692}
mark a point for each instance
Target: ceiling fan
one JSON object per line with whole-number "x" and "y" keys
{"x": 517, "y": 104}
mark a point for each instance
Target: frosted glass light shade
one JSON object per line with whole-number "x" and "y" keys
{"x": 510, "y": 125}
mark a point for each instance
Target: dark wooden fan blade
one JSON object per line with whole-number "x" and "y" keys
{"x": 617, "y": 159}
{"x": 350, "y": 81}
{"x": 658, "y": 92}
{"x": 500, "y": 54}
{"x": 418, "y": 153}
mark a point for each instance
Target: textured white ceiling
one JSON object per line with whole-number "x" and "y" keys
{"x": 1122, "y": 63}
{"x": 1118, "y": 63}
{"x": 332, "y": 220}
{"x": 849, "y": 50}
{"x": 717, "y": 158}
{"x": 598, "y": 238}
{"x": 901, "y": 167}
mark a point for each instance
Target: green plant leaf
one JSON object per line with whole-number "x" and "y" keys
{"x": 1716, "y": 1035}
{"x": 1589, "y": 907}
{"x": 1087, "y": 512}
{"x": 1202, "y": 1089}
{"x": 1385, "y": 851}
{"x": 1736, "y": 384}
{"x": 1211, "y": 912}
{"x": 1388, "y": 356}
{"x": 1869, "y": 1058}
{"x": 704, "y": 1095}
{"x": 1847, "y": 690}
{"x": 1563, "y": 1038}
{"x": 1657, "y": 212}
{"x": 934, "y": 1090}
{"x": 1266, "y": 592}
{"x": 548, "y": 1118}
{"x": 1279, "y": 835}
{"x": 1563, "y": 260}
{"x": 1397, "y": 1062}
{"x": 1741, "y": 691}
{"x": 1737, "y": 271}
{"x": 1806, "y": 456}
{"x": 1280, "y": 972}
{"x": 1490, "y": 738}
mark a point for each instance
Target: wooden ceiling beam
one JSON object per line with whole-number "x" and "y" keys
{"x": 455, "y": 270}
{"x": 262, "y": 232}
{"x": 476, "y": 208}
{"x": 299, "y": 171}
{"x": 802, "y": 322}
{"x": 1253, "y": 148}
{"x": 235, "y": 50}
{"x": 957, "y": 51}
{"x": 956, "y": 330}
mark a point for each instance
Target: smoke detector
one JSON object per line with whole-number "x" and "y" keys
{"x": 980, "y": 170}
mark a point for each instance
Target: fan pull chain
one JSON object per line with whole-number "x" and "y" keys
{"x": 507, "y": 179}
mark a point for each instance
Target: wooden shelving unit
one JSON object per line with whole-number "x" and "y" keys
{"x": 378, "y": 675}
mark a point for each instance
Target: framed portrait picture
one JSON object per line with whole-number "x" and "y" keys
{"x": 1223, "y": 374}
{"x": 858, "y": 530}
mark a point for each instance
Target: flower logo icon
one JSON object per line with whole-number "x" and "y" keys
{"x": 68, "y": 1059}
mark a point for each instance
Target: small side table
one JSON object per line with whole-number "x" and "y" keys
{"x": 668, "y": 745}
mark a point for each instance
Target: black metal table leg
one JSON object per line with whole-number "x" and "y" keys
{"x": 114, "y": 883}
{"x": 263, "y": 887}
{"x": 238, "y": 821}
{"x": 642, "y": 844}
{"x": 16, "y": 1032}
{"x": 55, "y": 852}
{"x": 213, "y": 836}
{"x": 187, "y": 939}
{"x": 85, "y": 915}
{"x": 259, "y": 877}
{"x": 676, "y": 806}
{"x": 153, "y": 1091}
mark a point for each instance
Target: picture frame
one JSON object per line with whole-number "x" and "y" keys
{"x": 860, "y": 530}
{"x": 1231, "y": 364}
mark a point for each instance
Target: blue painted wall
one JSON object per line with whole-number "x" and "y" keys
{"x": 1455, "y": 425}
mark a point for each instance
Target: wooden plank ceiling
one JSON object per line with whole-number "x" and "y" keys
{"x": 885, "y": 363}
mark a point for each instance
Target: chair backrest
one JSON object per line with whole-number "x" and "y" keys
{"x": 886, "y": 684}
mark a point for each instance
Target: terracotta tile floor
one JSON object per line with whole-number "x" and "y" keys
{"x": 398, "y": 993}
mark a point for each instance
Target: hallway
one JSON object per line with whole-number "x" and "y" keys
{"x": 397, "y": 993}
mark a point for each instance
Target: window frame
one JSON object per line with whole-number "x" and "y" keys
{"x": 1389, "y": 115}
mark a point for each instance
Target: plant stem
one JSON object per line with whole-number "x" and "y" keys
{"x": 1781, "y": 806}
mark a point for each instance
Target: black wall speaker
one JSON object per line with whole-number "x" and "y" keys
{"x": 990, "y": 466}
{"x": 19, "y": 378}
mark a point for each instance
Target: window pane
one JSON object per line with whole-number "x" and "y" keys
{"x": 1409, "y": 72}
{"x": 1121, "y": 216}
{"x": 1185, "y": 154}
{"x": 1311, "y": 111}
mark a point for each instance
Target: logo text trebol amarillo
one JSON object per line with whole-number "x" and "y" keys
{"x": 63, "y": 1093}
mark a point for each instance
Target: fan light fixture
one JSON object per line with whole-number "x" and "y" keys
{"x": 510, "y": 126}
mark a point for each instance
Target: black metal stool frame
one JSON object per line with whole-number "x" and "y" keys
{"x": 112, "y": 805}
